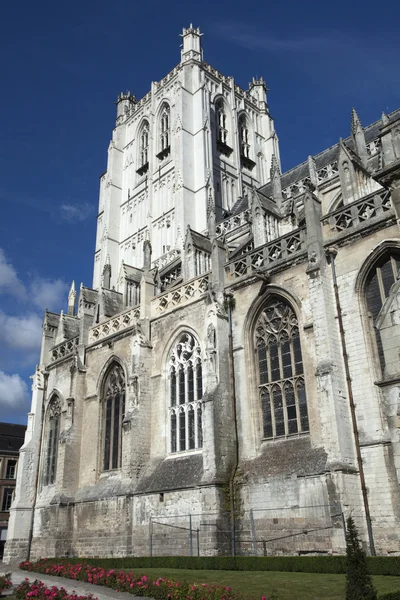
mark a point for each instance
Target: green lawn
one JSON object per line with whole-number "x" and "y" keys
{"x": 288, "y": 586}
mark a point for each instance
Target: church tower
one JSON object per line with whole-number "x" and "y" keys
{"x": 195, "y": 139}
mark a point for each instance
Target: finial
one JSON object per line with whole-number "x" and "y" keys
{"x": 355, "y": 121}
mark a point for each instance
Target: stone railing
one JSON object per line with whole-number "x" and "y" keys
{"x": 166, "y": 258}
{"x": 374, "y": 147}
{"x": 187, "y": 293}
{"x": 298, "y": 187}
{"x": 358, "y": 213}
{"x": 284, "y": 248}
{"x": 64, "y": 349}
{"x": 327, "y": 172}
{"x": 233, "y": 223}
{"x": 114, "y": 324}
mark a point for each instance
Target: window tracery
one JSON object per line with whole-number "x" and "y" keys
{"x": 186, "y": 392}
{"x": 378, "y": 283}
{"x": 165, "y": 132}
{"x": 244, "y": 137}
{"x": 143, "y": 149}
{"x": 113, "y": 415}
{"x": 52, "y": 439}
{"x": 280, "y": 371}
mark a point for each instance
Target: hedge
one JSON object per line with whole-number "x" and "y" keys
{"x": 378, "y": 565}
{"x": 390, "y": 596}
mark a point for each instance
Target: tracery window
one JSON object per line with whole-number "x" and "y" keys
{"x": 244, "y": 137}
{"x": 144, "y": 145}
{"x": 186, "y": 392}
{"x": 379, "y": 281}
{"x": 281, "y": 384}
{"x": 165, "y": 128}
{"x": 113, "y": 415}
{"x": 222, "y": 131}
{"x": 53, "y": 419}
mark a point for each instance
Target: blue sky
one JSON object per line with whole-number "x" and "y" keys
{"x": 63, "y": 65}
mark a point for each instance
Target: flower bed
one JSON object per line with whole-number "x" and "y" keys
{"x": 121, "y": 581}
{"x": 5, "y": 582}
{"x": 38, "y": 591}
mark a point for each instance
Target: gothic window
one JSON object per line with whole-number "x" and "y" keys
{"x": 164, "y": 132}
{"x": 185, "y": 394}
{"x": 113, "y": 415}
{"x": 281, "y": 384}
{"x": 379, "y": 281}
{"x": 53, "y": 419}
{"x": 244, "y": 137}
{"x": 222, "y": 132}
{"x": 143, "y": 149}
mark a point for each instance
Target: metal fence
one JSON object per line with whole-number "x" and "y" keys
{"x": 313, "y": 529}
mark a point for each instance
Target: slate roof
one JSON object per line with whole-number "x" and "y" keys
{"x": 329, "y": 155}
{"x": 51, "y": 319}
{"x": 71, "y": 327}
{"x": 132, "y": 273}
{"x": 201, "y": 241}
{"x": 89, "y": 295}
{"x": 112, "y": 302}
{"x": 11, "y": 438}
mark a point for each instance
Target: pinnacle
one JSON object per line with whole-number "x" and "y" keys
{"x": 355, "y": 120}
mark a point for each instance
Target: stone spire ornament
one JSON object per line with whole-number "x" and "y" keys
{"x": 71, "y": 300}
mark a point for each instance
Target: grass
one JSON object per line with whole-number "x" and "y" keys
{"x": 288, "y": 586}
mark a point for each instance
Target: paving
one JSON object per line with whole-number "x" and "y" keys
{"x": 80, "y": 587}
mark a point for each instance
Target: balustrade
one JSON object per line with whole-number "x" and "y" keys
{"x": 114, "y": 324}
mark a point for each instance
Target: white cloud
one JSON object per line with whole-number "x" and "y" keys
{"x": 21, "y": 332}
{"x": 14, "y": 391}
{"x": 49, "y": 293}
{"x": 76, "y": 212}
{"x": 10, "y": 283}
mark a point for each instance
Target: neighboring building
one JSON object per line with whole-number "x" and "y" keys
{"x": 11, "y": 440}
{"x": 147, "y": 446}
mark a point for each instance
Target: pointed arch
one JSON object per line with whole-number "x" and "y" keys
{"x": 223, "y": 126}
{"x": 185, "y": 382}
{"x": 374, "y": 281}
{"x": 164, "y": 131}
{"x": 52, "y": 438}
{"x": 279, "y": 367}
{"x": 113, "y": 395}
{"x": 143, "y": 146}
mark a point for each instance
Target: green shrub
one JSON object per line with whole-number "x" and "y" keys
{"x": 390, "y": 596}
{"x": 358, "y": 580}
{"x": 377, "y": 565}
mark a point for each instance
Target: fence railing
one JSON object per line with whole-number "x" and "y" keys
{"x": 114, "y": 324}
{"x": 64, "y": 349}
{"x": 287, "y": 246}
{"x": 185, "y": 294}
{"x": 359, "y": 213}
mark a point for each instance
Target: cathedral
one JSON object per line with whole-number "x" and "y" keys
{"x": 230, "y": 383}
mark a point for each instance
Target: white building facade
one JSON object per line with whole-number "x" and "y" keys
{"x": 230, "y": 383}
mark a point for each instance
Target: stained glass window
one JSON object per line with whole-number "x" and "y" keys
{"x": 185, "y": 392}
{"x": 114, "y": 411}
{"x": 280, "y": 371}
{"x": 52, "y": 439}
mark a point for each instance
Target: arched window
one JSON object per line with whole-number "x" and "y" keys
{"x": 222, "y": 131}
{"x": 113, "y": 415}
{"x": 244, "y": 139}
{"x": 280, "y": 370}
{"x": 186, "y": 392}
{"x": 143, "y": 149}
{"x": 378, "y": 283}
{"x": 52, "y": 439}
{"x": 164, "y": 132}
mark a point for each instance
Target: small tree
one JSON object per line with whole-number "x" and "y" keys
{"x": 358, "y": 580}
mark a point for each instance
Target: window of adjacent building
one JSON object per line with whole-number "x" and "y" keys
{"x": 7, "y": 499}
{"x": 53, "y": 419}
{"x": 11, "y": 470}
{"x": 379, "y": 281}
{"x": 281, "y": 384}
{"x": 113, "y": 415}
{"x": 185, "y": 395}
